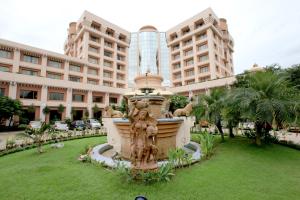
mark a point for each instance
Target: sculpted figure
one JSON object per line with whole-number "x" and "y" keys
{"x": 109, "y": 112}
{"x": 143, "y": 131}
{"x": 186, "y": 111}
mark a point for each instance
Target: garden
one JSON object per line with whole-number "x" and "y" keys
{"x": 236, "y": 163}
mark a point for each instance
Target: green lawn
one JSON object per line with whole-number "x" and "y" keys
{"x": 238, "y": 170}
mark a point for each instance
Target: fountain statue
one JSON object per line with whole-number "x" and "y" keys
{"x": 143, "y": 132}
{"x": 142, "y": 138}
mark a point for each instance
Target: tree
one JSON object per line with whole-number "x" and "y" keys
{"x": 60, "y": 109}
{"x": 37, "y": 135}
{"x": 231, "y": 113}
{"x": 293, "y": 76}
{"x": 213, "y": 105}
{"x": 178, "y": 101}
{"x": 31, "y": 108}
{"x": 86, "y": 114}
{"x": 46, "y": 110}
{"x": 267, "y": 99}
{"x": 8, "y": 108}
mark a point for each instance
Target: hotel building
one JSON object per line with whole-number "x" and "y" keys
{"x": 101, "y": 60}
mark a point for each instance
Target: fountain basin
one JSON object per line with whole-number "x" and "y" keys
{"x": 100, "y": 155}
{"x": 166, "y": 137}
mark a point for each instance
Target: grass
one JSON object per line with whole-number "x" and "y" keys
{"x": 238, "y": 170}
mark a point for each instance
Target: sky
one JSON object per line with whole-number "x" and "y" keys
{"x": 264, "y": 31}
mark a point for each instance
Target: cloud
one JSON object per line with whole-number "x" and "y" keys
{"x": 264, "y": 32}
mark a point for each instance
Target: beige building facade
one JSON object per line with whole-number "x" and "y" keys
{"x": 94, "y": 70}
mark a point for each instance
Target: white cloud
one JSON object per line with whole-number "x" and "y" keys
{"x": 265, "y": 32}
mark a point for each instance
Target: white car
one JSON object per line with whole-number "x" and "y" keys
{"x": 93, "y": 123}
{"x": 61, "y": 126}
{"x": 35, "y": 124}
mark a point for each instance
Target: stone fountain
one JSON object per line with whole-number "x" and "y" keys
{"x": 143, "y": 138}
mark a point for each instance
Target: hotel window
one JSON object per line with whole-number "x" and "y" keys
{"x": 75, "y": 68}
{"x": 94, "y": 39}
{"x": 113, "y": 100}
{"x": 176, "y": 66}
{"x": 4, "y": 68}
{"x": 108, "y": 44}
{"x": 122, "y": 37}
{"x": 107, "y": 63}
{"x": 187, "y": 42}
{"x": 177, "y": 76}
{"x": 177, "y": 56}
{"x": 216, "y": 57}
{"x": 175, "y": 47}
{"x": 56, "y": 96}
{"x": 92, "y": 71}
{"x": 78, "y": 97}
{"x": 188, "y": 52}
{"x": 120, "y": 85}
{"x": 2, "y": 92}
{"x": 74, "y": 79}
{"x": 95, "y": 26}
{"x": 92, "y": 81}
{"x": 203, "y": 69}
{"x": 189, "y": 73}
{"x": 5, "y": 54}
{"x": 202, "y": 47}
{"x": 106, "y": 83}
{"x": 120, "y": 48}
{"x": 120, "y": 77}
{"x": 203, "y": 58}
{"x": 93, "y": 60}
{"x": 110, "y": 32}
{"x": 28, "y": 94}
{"x": 189, "y": 62}
{"x": 203, "y": 79}
{"x": 54, "y": 76}
{"x": 107, "y": 74}
{"x": 97, "y": 99}
{"x": 55, "y": 64}
{"x": 120, "y": 67}
{"x": 122, "y": 58}
{"x": 190, "y": 82}
{"x": 185, "y": 30}
{"x": 108, "y": 54}
{"x": 31, "y": 59}
{"x": 201, "y": 36}
{"x": 29, "y": 72}
{"x": 199, "y": 23}
{"x": 177, "y": 84}
{"x": 93, "y": 49}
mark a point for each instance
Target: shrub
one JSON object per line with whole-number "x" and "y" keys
{"x": 207, "y": 144}
{"x": 178, "y": 157}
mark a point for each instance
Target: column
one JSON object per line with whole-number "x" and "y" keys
{"x": 90, "y": 103}
{"x": 101, "y": 59}
{"x": 16, "y": 61}
{"x": 66, "y": 70}
{"x": 85, "y": 70}
{"x": 44, "y": 66}
{"x": 211, "y": 57}
{"x": 106, "y": 99}
{"x": 69, "y": 103}
{"x": 12, "y": 90}
{"x": 44, "y": 94}
{"x": 85, "y": 48}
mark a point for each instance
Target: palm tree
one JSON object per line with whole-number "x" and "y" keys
{"x": 266, "y": 100}
{"x": 213, "y": 105}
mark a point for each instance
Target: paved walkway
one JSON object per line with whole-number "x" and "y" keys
{"x": 6, "y": 135}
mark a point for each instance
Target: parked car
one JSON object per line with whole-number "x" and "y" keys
{"x": 35, "y": 124}
{"x": 78, "y": 124}
{"x": 93, "y": 124}
{"x": 61, "y": 126}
